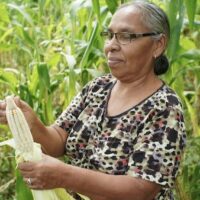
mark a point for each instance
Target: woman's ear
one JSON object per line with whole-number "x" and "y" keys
{"x": 160, "y": 46}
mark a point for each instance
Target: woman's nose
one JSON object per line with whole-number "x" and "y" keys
{"x": 112, "y": 44}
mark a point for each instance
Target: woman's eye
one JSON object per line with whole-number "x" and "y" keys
{"x": 124, "y": 36}
{"x": 110, "y": 36}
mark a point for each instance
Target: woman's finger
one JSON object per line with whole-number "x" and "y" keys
{"x": 2, "y": 104}
{"x": 27, "y": 174}
{"x": 26, "y": 166}
{"x": 33, "y": 183}
{"x": 3, "y": 120}
{"x": 29, "y": 181}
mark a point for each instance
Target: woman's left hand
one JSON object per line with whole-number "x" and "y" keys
{"x": 45, "y": 174}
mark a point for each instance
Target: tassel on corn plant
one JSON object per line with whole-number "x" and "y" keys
{"x": 27, "y": 150}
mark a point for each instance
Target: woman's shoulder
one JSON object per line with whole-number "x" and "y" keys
{"x": 104, "y": 79}
{"x": 167, "y": 96}
{"x": 101, "y": 82}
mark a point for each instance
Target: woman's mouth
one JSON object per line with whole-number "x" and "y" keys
{"x": 113, "y": 61}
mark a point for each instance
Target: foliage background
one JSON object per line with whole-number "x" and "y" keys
{"x": 49, "y": 49}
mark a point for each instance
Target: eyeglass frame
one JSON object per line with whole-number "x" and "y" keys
{"x": 133, "y": 36}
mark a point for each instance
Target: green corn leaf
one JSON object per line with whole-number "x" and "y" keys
{"x": 7, "y": 47}
{"x": 44, "y": 86}
{"x": 89, "y": 47}
{"x": 9, "y": 78}
{"x": 28, "y": 38}
{"x": 193, "y": 54}
{"x": 49, "y": 110}
{"x": 54, "y": 60}
{"x": 7, "y": 33}
{"x": 34, "y": 80}
{"x": 112, "y": 5}
{"x": 22, "y": 11}
{"x": 191, "y": 6}
{"x": 43, "y": 73}
{"x": 4, "y": 16}
{"x": 22, "y": 191}
{"x": 193, "y": 116}
{"x": 96, "y": 8}
{"x": 84, "y": 76}
{"x": 175, "y": 10}
{"x": 182, "y": 71}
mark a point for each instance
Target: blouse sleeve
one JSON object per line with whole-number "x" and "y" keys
{"x": 157, "y": 152}
{"x": 69, "y": 116}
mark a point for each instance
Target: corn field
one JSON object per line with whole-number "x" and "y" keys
{"x": 49, "y": 49}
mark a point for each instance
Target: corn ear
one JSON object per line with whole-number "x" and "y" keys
{"x": 27, "y": 149}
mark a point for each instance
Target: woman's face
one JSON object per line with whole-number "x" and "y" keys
{"x": 135, "y": 59}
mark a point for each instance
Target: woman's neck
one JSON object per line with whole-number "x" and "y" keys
{"x": 125, "y": 95}
{"x": 138, "y": 84}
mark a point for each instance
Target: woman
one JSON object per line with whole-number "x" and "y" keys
{"x": 124, "y": 133}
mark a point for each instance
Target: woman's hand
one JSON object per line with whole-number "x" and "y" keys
{"x": 45, "y": 174}
{"x": 26, "y": 109}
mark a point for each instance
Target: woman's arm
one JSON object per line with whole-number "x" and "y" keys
{"x": 52, "y": 138}
{"x": 110, "y": 187}
{"x": 52, "y": 173}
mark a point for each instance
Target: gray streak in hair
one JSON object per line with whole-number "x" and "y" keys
{"x": 153, "y": 17}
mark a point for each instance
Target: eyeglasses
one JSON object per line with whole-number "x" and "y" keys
{"x": 125, "y": 37}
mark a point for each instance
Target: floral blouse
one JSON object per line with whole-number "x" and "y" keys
{"x": 145, "y": 141}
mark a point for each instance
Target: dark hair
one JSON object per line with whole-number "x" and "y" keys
{"x": 156, "y": 20}
{"x": 161, "y": 65}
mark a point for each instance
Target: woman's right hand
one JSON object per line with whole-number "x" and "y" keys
{"x": 26, "y": 109}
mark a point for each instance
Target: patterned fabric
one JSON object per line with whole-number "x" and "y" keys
{"x": 145, "y": 141}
